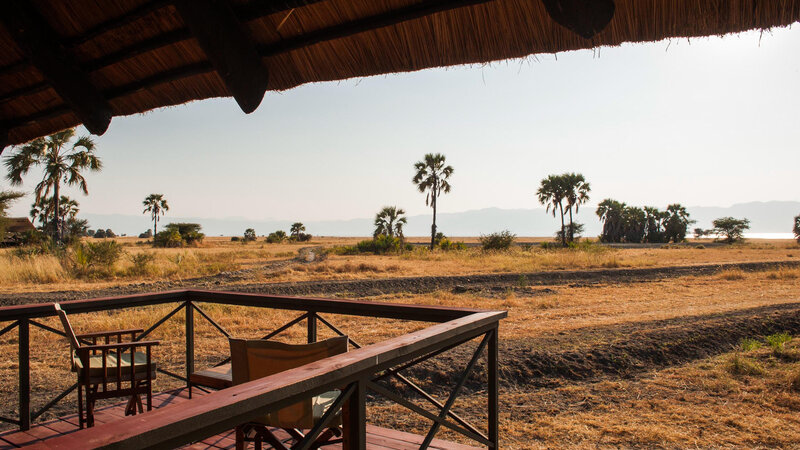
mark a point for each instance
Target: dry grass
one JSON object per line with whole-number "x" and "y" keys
{"x": 221, "y": 255}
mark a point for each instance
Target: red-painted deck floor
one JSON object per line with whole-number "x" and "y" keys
{"x": 377, "y": 437}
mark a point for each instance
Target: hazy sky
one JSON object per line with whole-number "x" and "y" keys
{"x": 709, "y": 122}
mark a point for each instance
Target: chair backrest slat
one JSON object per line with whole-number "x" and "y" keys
{"x": 73, "y": 340}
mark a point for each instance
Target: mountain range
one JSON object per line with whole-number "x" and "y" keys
{"x": 765, "y": 217}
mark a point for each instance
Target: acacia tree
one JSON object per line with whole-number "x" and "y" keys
{"x": 733, "y": 229}
{"x": 156, "y": 205}
{"x": 551, "y": 194}
{"x": 432, "y": 177}
{"x": 390, "y": 221}
{"x": 62, "y": 162}
{"x": 796, "y": 228}
{"x": 576, "y": 193}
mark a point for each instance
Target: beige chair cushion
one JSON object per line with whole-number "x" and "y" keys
{"x": 96, "y": 366}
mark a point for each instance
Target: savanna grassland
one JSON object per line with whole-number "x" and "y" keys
{"x": 705, "y": 359}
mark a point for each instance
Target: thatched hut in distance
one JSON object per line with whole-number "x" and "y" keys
{"x": 70, "y": 62}
{"x": 13, "y": 228}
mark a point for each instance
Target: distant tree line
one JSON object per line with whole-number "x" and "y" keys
{"x": 623, "y": 223}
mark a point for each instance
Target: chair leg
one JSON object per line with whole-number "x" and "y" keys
{"x": 149, "y": 394}
{"x": 240, "y": 444}
{"x": 89, "y": 407}
{"x": 81, "y": 421}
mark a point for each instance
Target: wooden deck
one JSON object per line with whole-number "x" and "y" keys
{"x": 377, "y": 437}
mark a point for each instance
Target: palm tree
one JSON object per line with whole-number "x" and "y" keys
{"x": 576, "y": 191}
{"x": 43, "y": 210}
{"x": 156, "y": 205}
{"x": 551, "y": 194}
{"x": 390, "y": 221}
{"x": 432, "y": 176}
{"x": 6, "y": 197}
{"x": 296, "y": 230}
{"x": 62, "y": 163}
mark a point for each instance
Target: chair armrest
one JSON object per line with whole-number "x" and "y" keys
{"x": 109, "y": 333}
{"x": 119, "y": 345}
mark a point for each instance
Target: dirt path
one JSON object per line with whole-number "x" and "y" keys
{"x": 415, "y": 285}
{"x": 623, "y": 350}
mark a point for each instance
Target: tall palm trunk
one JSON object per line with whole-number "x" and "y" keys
{"x": 56, "y": 213}
{"x": 571, "y": 227}
{"x": 155, "y": 223}
{"x": 433, "y": 226}
{"x": 563, "y": 231}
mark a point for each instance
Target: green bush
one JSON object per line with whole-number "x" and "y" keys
{"x": 235, "y": 239}
{"x": 249, "y": 235}
{"x": 550, "y": 245}
{"x": 448, "y": 245}
{"x": 93, "y": 257}
{"x": 497, "y": 241}
{"x": 749, "y": 344}
{"x": 380, "y": 244}
{"x": 141, "y": 262}
{"x": 168, "y": 239}
{"x": 776, "y": 341}
{"x": 189, "y": 232}
{"x": 276, "y": 237}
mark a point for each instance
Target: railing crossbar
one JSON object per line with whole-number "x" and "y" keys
{"x": 338, "y": 331}
{"x": 440, "y": 406}
{"x": 211, "y": 321}
{"x": 312, "y": 434}
{"x": 398, "y": 369}
{"x": 160, "y": 321}
{"x": 9, "y": 327}
{"x": 371, "y": 385}
{"x": 456, "y": 390}
{"x": 53, "y": 402}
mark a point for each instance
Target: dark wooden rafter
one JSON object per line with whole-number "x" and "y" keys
{"x": 41, "y": 45}
{"x": 227, "y": 45}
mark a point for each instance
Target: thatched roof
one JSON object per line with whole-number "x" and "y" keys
{"x": 70, "y": 62}
{"x": 18, "y": 224}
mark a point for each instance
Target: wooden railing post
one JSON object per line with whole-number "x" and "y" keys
{"x": 189, "y": 344}
{"x": 312, "y": 327}
{"x": 354, "y": 418}
{"x": 24, "y": 374}
{"x": 492, "y": 388}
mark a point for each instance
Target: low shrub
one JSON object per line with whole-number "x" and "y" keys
{"x": 448, "y": 245}
{"x": 146, "y": 235}
{"x": 168, "y": 239}
{"x": 93, "y": 257}
{"x": 381, "y": 244}
{"x": 276, "y": 237}
{"x": 249, "y": 235}
{"x": 741, "y": 365}
{"x": 777, "y": 341}
{"x": 235, "y": 239}
{"x": 497, "y": 241}
{"x": 142, "y": 263}
{"x": 749, "y": 344}
{"x": 731, "y": 274}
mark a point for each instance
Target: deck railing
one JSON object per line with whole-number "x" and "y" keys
{"x": 364, "y": 369}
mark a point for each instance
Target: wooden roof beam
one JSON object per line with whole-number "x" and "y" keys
{"x": 41, "y": 46}
{"x": 229, "y": 48}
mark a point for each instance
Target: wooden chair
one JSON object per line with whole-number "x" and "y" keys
{"x": 110, "y": 369}
{"x": 254, "y": 359}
